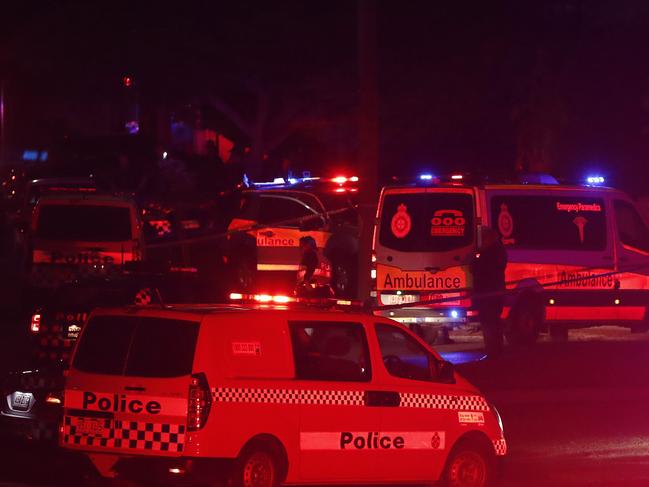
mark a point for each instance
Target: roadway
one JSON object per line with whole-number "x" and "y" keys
{"x": 575, "y": 413}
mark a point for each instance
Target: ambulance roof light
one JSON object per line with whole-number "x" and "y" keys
{"x": 426, "y": 177}
{"x": 595, "y": 180}
{"x": 457, "y": 177}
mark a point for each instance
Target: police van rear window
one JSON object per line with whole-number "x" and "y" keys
{"x": 137, "y": 347}
{"x": 90, "y": 223}
{"x": 427, "y": 222}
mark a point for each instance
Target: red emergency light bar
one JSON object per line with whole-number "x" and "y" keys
{"x": 344, "y": 179}
{"x": 283, "y": 299}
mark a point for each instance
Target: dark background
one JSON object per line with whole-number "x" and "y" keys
{"x": 559, "y": 86}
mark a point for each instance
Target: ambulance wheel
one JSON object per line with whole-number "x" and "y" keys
{"x": 524, "y": 322}
{"x": 470, "y": 464}
{"x": 257, "y": 466}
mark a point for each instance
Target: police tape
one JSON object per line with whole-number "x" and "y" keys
{"x": 248, "y": 228}
{"x": 467, "y": 292}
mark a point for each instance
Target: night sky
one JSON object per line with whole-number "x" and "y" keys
{"x": 557, "y": 86}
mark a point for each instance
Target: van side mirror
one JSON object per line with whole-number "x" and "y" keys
{"x": 445, "y": 372}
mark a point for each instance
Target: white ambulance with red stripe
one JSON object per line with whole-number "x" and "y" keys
{"x": 578, "y": 255}
{"x": 270, "y": 394}
{"x": 82, "y": 234}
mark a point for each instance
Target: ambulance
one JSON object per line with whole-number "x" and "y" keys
{"x": 264, "y": 235}
{"x": 578, "y": 255}
{"x": 270, "y": 394}
{"x": 82, "y": 234}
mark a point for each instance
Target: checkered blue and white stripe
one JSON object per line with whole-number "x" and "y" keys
{"x": 500, "y": 446}
{"x": 289, "y": 396}
{"x": 133, "y": 435}
{"x": 444, "y": 401}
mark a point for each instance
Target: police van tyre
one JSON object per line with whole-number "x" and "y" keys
{"x": 259, "y": 465}
{"x": 471, "y": 463}
{"x": 524, "y": 322}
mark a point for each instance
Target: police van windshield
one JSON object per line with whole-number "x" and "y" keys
{"x": 426, "y": 222}
{"x": 89, "y": 223}
{"x": 137, "y": 347}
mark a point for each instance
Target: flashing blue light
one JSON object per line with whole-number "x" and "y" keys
{"x": 426, "y": 177}
{"x": 454, "y": 314}
{"x": 595, "y": 180}
{"x": 30, "y": 155}
{"x": 292, "y": 180}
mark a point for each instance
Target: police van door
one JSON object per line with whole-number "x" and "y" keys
{"x": 424, "y": 244}
{"x": 339, "y": 433}
{"x": 633, "y": 261}
{"x": 422, "y": 424}
{"x": 278, "y": 242}
{"x": 127, "y": 389}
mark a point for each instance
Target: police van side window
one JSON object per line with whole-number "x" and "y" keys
{"x": 333, "y": 351}
{"x": 630, "y": 227}
{"x": 402, "y": 355}
{"x": 104, "y": 345}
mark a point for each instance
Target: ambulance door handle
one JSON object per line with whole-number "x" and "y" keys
{"x": 267, "y": 233}
{"x": 382, "y": 399}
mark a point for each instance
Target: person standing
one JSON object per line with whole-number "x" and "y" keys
{"x": 488, "y": 269}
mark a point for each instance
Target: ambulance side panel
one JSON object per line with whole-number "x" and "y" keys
{"x": 560, "y": 242}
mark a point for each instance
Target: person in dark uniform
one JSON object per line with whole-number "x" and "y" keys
{"x": 488, "y": 269}
{"x": 309, "y": 261}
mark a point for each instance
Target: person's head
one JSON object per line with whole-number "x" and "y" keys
{"x": 489, "y": 237}
{"x": 307, "y": 243}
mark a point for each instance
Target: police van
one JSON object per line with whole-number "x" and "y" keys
{"x": 82, "y": 234}
{"x": 272, "y": 394}
{"x": 264, "y": 235}
{"x": 577, "y": 255}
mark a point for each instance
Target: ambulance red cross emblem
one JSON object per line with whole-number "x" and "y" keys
{"x": 401, "y": 222}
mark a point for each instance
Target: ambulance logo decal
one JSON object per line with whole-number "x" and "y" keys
{"x": 401, "y": 222}
{"x": 580, "y": 221}
{"x": 448, "y": 223}
{"x": 505, "y": 224}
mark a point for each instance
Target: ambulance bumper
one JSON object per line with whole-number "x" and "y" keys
{"x": 451, "y": 317}
{"x": 176, "y": 471}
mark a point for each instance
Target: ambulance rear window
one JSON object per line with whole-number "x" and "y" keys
{"x": 135, "y": 346}
{"x": 426, "y": 222}
{"x": 89, "y": 223}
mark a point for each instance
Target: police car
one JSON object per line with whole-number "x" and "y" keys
{"x": 268, "y": 394}
{"x": 82, "y": 234}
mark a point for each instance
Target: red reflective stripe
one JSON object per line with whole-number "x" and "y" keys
{"x": 583, "y": 313}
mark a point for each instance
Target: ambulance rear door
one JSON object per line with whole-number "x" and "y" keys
{"x": 127, "y": 389}
{"x": 424, "y": 243}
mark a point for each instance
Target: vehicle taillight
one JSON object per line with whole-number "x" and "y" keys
{"x": 36, "y": 323}
{"x": 200, "y": 402}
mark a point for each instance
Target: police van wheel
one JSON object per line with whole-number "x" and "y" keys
{"x": 469, "y": 465}
{"x": 524, "y": 323}
{"x": 257, "y": 466}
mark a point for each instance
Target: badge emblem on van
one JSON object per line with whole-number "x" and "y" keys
{"x": 401, "y": 222}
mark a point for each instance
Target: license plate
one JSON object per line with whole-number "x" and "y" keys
{"x": 72, "y": 331}
{"x": 90, "y": 426}
{"x": 21, "y": 401}
{"x": 399, "y": 298}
